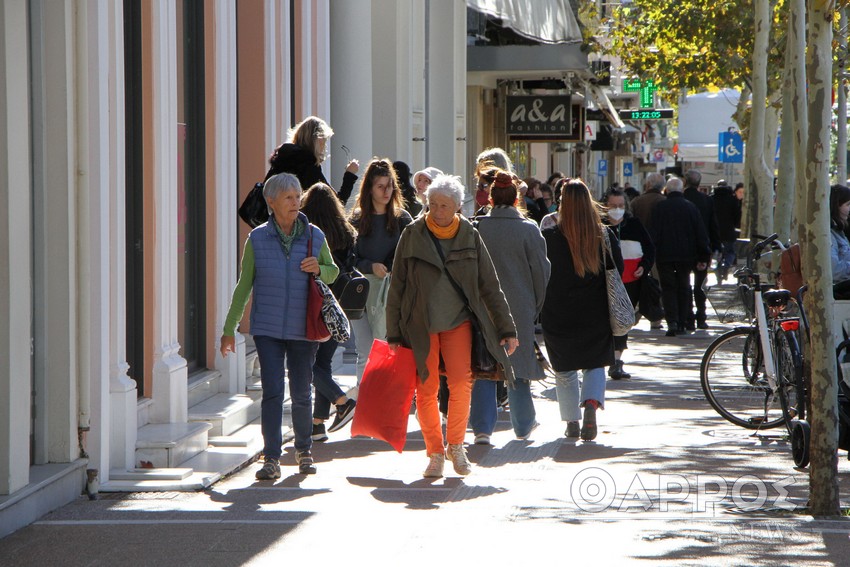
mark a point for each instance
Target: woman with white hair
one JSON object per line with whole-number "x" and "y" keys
{"x": 279, "y": 258}
{"x": 443, "y": 276}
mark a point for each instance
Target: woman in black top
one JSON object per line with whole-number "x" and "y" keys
{"x": 379, "y": 218}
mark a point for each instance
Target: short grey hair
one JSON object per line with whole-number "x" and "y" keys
{"x": 674, "y": 185}
{"x": 653, "y": 181}
{"x": 693, "y": 177}
{"x": 277, "y": 184}
{"x": 448, "y": 185}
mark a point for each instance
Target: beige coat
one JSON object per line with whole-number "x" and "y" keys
{"x": 416, "y": 269}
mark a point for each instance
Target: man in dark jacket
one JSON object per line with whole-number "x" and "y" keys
{"x": 643, "y": 205}
{"x": 727, "y": 208}
{"x": 705, "y": 206}
{"x": 681, "y": 243}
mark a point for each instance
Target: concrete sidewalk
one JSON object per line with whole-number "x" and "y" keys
{"x": 666, "y": 482}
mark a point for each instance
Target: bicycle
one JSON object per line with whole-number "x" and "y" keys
{"x": 751, "y": 374}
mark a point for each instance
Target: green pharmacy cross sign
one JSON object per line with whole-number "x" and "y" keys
{"x": 645, "y": 88}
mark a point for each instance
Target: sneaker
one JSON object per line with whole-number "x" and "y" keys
{"x": 530, "y": 431}
{"x": 573, "y": 429}
{"x": 435, "y": 466}
{"x": 344, "y": 413}
{"x": 319, "y": 433}
{"x": 457, "y": 455}
{"x": 655, "y": 325}
{"x": 588, "y": 426}
{"x": 270, "y": 470}
{"x": 702, "y": 324}
{"x": 482, "y": 439}
{"x": 304, "y": 459}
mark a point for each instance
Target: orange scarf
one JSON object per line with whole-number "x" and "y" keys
{"x": 443, "y": 232}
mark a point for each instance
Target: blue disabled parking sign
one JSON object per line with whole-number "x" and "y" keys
{"x": 730, "y": 147}
{"x": 602, "y": 168}
{"x": 627, "y": 169}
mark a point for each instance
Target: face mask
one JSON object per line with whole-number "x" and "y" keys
{"x": 616, "y": 214}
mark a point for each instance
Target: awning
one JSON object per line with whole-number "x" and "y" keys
{"x": 548, "y": 21}
{"x": 604, "y": 103}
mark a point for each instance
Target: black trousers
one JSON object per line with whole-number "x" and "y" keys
{"x": 676, "y": 291}
{"x": 699, "y": 295}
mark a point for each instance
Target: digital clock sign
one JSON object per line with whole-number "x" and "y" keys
{"x": 647, "y": 114}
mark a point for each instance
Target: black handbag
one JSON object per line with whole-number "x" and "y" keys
{"x": 254, "y": 209}
{"x": 483, "y": 364}
{"x": 351, "y": 289}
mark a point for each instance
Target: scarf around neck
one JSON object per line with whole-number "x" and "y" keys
{"x": 443, "y": 232}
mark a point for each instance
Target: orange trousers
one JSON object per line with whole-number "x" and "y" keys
{"x": 456, "y": 347}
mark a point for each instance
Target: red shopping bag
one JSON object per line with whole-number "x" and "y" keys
{"x": 386, "y": 392}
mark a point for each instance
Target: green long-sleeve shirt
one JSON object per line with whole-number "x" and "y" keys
{"x": 242, "y": 292}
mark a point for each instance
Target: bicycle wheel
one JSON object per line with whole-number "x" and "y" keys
{"x": 789, "y": 376}
{"x": 733, "y": 380}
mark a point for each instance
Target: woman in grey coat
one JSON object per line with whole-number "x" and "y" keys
{"x": 519, "y": 255}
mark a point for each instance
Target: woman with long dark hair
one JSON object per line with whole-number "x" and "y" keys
{"x": 839, "y": 211}
{"x": 379, "y": 218}
{"x": 324, "y": 210}
{"x": 575, "y": 320}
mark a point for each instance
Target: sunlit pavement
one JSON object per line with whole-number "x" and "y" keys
{"x": 667, "y": 481}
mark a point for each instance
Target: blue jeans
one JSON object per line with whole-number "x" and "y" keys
{"x": 276, "y": 356}
{"x": 567, "y": 386}
{"x": 727, "y": 255}
{"x": 327, "y": 390}
{"x": 483, "y": 410}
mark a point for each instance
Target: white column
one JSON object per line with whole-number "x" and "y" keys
{"x": 351, "y": 82}
{"x": 15, "y": 248}
{"x": 58, "y": 257}
{"x": 224, "y": 138}
{"x": 278, "y": 93}
{"x": 447, "y": 86}
{"x": 170, "y": 393}
{"x": 123, "y": 404}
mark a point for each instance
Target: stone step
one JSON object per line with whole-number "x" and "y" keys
{"x": 226, "y": 412}
{"x": 203, "y": 385}
{"x": 150, "y": 474}
{"x": 168, "y": 445}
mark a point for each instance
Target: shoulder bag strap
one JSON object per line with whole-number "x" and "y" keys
{"x": 451, "y": 279}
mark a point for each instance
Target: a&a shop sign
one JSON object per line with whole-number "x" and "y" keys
{"x": 544, "y": 117}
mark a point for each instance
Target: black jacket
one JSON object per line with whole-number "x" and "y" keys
{"x": 300, "y": 162}
{"x": 727, "y": 208}
{"x": 678, "y": 231}
{"x": 632, "y": 229}
{"x": 706, "y": 211}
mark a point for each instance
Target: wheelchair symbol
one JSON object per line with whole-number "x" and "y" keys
{"x": 731, "y": 150}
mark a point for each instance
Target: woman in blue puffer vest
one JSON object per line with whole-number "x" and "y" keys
{"x": 279, "y": 259}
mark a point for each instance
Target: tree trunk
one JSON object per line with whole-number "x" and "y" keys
{"x": 817, "y": 270}
{"x": 799, "y": 110}
{"x": 841, "y": 100}
{"x": 761, "y": 177}
{"x": 747, "y": 216}
{"x": 783, "y": 215}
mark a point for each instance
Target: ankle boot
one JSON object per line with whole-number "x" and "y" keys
{"x": 623, "y": 374}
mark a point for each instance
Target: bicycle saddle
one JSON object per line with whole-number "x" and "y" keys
{"x": 777, "y": 297}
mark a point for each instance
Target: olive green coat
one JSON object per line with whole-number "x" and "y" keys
{"x": 416, "y": 269}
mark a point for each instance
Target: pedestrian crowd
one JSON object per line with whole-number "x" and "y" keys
{"x": 536, "y": 257}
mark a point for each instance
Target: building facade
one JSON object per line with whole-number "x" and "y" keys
{"x": 130, "y": 132}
